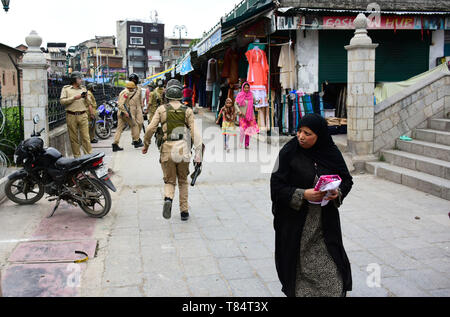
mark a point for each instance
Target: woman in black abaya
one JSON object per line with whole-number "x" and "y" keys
{"x": 309, "y": 253}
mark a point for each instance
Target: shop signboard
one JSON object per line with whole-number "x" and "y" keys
{"x": 185, "y": 67}
{"x": 214, "y": 39}
{"x": 386, "y": 22}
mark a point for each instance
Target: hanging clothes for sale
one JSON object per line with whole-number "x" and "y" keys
{"x": 258, "y": 68}
{"x": 230, "y": 68}
{"x": 286, "y": 62}
{"x": 243, "y": 67}
{"x": 212, "y": 74}
{"x": 258, "y": 73}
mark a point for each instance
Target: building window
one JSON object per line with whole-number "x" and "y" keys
{"x": 4, "y": 79}
{"x": 154, "y": 41}
{"x": 136, "y": 41}
{"x": 136, "y": 29}
{"x": 14, "y": 79}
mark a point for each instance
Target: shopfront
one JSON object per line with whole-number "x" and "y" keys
{"x": 409, "y": 44}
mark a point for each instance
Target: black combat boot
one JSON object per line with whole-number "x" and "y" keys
{"x": 94, "y": 141}
{"x": 116, "y": 148}
{"x": 184, "y": 216}
{"x": 167, "y": 210}
{"x": 138, "y": 144}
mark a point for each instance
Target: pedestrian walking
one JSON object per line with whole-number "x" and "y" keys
{"x": 92, "y": 111}
{"x": 245, "y": 102}
{"x": 309, "y": 254}
{"x": 74, "y": 97}
{"x": 228, "y": 115}
{"x": 125, "y": 116}
{"x": 179, "y": 129}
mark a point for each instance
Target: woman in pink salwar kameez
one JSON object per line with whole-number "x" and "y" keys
{"x": 245, "y": 102}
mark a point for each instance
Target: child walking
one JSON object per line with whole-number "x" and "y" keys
{"x": 228, "y": 123}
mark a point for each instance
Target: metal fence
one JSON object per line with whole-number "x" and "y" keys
{"x": 57, "y": 112}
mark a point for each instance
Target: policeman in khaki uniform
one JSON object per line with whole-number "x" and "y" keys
{"x": 156, "y": 99}
{"x": 128, "y": 99}
{"x": 178, "y": 126}
{"x": 137, "y": 107}
{"x": 92, "y": 109}
{"x": 74, "y": 97}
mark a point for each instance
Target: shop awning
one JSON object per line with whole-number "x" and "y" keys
{"x": 157, "y": 76}
{"x": 185, "y": 67}
{"x": 247, "y": 10}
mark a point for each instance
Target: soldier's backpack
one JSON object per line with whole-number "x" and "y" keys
{"x": 176, "y": 123}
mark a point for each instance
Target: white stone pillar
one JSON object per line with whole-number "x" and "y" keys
{"x": 35, "y": 87}
{"x": 360, "y": 91}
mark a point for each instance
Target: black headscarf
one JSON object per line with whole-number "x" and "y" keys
{"x": 324, "y": 152}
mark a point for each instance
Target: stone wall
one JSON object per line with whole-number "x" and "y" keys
{"x": 59, "y": 139}
{"x": 411, "y": 109}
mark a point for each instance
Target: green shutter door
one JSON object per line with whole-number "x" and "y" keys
{"x": 399, "y": 56}
{"x": 333, "y": 56}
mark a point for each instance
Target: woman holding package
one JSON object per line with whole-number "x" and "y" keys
{"x": 245, "y": 102}
{"x": 309, "y": 252}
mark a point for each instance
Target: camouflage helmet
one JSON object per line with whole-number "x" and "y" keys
{"x": 74, "y": 75}
{"x": 91, "y": 86}
{"x": 174, "y": 82}
{"x": 174, "y": 92}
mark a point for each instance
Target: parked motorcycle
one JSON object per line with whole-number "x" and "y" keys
{"x": 105, "y": 124}
{"x": 82, "y": 182}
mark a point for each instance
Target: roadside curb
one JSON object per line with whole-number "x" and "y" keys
{"x": 3, "y": 182}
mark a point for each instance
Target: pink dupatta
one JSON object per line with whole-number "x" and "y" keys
{"x": 242, "y": 97}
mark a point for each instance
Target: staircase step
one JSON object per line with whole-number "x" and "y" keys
{"x": 440, "y": 124}
{"x": 418, "y": 163}
{"x": 429, "y": 184}
{"x": 433, "y": 150}
{"x": 433, "y": 136}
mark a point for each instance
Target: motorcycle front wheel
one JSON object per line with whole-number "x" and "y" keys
{"x": 24, "y": 191}
{"x": 97, "y": 200}
{"x": 103, "y": 131}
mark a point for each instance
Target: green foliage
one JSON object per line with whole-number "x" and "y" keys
{"x": 10, "y": 130}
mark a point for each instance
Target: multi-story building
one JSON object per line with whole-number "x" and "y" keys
{"x": 98, "y": 55}
{"x": 84, "y": 56}
{"x": 56, "y": 55}
{"x": 141, "y": 44}
{"x": 174, "y": 49}
{"x": 10, "y": 78}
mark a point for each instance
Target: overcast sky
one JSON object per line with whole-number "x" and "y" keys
{"x": 75, "y": 21}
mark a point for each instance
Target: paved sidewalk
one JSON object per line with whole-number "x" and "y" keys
{"x": 226, "y": 249}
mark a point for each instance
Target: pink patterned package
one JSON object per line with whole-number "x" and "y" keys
{"x": 326, "y": 179}
{"x": 327, "y": 183}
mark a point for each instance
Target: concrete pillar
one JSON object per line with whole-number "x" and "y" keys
{"x": 35, "y": 87}
{"x": 360, "y": 92}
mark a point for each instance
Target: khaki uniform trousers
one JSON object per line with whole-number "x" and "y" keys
{"x": 121, "y": 126}
{"x": 151, "y": 113}
{"x": 138, "y": 117}
{"x": 173, "y": 171}
{"x": 92, "y": 127}
{"x": 78, "y": 126}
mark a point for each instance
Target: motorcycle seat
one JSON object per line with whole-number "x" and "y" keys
{"x": 68, "y": 163}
